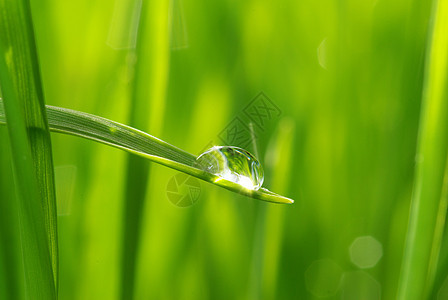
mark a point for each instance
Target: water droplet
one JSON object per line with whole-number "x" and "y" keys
{"x": 233, "y": 164}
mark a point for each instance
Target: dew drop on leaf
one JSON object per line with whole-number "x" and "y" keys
{"x": 233, "y": 164}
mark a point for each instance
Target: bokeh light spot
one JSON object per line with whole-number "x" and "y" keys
{"x": 360, "y": 285}
{"x": 323, "y": 278}
{"x": 365, "y": 252}
{"x": 322, "y": 53}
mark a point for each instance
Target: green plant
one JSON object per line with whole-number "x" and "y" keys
{"x": 31, "y": 149}
{"x": 430, "y": 194}
{"x": 347, "y": 78}
{"x": 137, "y": 142}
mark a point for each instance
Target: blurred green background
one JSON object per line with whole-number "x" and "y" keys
{"x": 346, "y": 78}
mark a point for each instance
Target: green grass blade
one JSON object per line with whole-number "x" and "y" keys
{"x": 428, "y": 210}
{"x": 11, "y": 264}
{"x": 25, "y": 110}
{"x": 137, "y": 142}
{"x": 437, "y": 264}
{"x": 39, "y": 279}
{"x": 136, "y": 185}
{"x": 149, "y": 82}
{"x": 280, "y": 154}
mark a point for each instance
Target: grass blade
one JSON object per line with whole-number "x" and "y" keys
{"x": 428, "y": 210}
{"x": 137, "y": 142}
{"x": 11, "y": 264}
{"x": 136, "y": 185}
{"x": 30, "y": 142}
{"x": 39, "y": 278}
{"x": 150, "y": 79}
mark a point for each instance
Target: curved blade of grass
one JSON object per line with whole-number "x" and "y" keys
{"x": 108, "y": 132}
{"x": 428, "y": 207}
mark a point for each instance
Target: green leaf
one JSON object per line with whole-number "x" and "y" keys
{"x": 31, "y": 148}
{"x": 429, "y": 202}
{"x": 108, "y": 132}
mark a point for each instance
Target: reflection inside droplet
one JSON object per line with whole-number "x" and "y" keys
{"x": 233, "y": 164}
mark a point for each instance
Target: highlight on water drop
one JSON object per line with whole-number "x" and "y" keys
{"x": 233, "y": 164}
